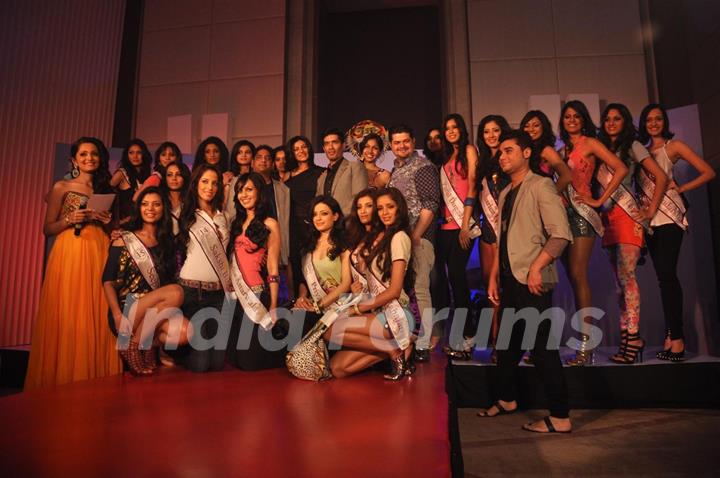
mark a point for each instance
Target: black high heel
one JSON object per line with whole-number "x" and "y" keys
{"x": 623, "y": 344}
{"x": 633, "y": 352}
{"x": 399, "y": 368}
{"x": 663, "y": 355}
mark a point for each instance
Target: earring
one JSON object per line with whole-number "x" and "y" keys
{"x": 75, "y": 171}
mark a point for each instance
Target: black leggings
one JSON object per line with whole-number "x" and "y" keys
{"x": 449, "y": 252}
{"x": 664, "y": 246}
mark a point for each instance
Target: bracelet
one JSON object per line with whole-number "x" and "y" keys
{"x": 316, "y": 306}
{"x": 271, "y": 279}
{"x": 67, "y": 219}
{"x": 470, "y": 202}
{"x": 356, "y": 308}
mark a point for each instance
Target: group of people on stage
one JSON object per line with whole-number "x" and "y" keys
{"x": 366, "y": 254}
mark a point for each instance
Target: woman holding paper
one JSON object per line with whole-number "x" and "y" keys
{"x": 670, "y": 222}
{"x": 380, "y": 327}
{"x": 205, "y": 273}
{"x": 254, "y": 266}
{"x": 458, "y": 228}
{"x": 582, "y": 152}
{"x": 70, "y": 342}
{"x": 625, "y": 220}
{"x": 137, "y": 279}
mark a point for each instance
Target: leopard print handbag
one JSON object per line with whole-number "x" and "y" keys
{"x": 309, "y": 359}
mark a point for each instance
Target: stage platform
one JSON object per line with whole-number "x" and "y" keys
{"x": 230, "y": 423}
{"x": 694, "y": 383}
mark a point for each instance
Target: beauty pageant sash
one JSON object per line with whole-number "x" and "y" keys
{"x": 311, "y": 278}
{"x": 357, "y": 276}
{"x": 585, "y": 211}
{"x": 622, "y": 197}
{"x": 490, "y": 207}
{"x": 672, "y": 204}
{"x": 142, "y": 258}
{"x": 455, "y": 205}
{"x": 394, "y": 313}
{"x": 207, "y": 236}
{"x": 252, "y": 307}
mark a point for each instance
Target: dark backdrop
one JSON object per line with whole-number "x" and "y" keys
{"x": 382, "y": 65}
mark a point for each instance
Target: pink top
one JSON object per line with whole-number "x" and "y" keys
{"x": 581, "y": 168}
{"x": 153, "y": 180}
{"x": 250, "y": 259}
{"x": 460, "y": 185}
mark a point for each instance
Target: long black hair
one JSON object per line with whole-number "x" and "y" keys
{"x": 184, "y": 172}
{"x": 623, "y": 143}
{"x": 161, "y": 149}
{"x": 101, "y": 176}
{"x": 256, "y": 231}
{"x": 337, "y": 233}
{"x": 461, "y": 166}
{"x": 234, "y": 165}
{"x": 291, "y": 163}
{"x": 355, "y": 231}
{"x": 136, "y": 174}
{"x": 488, "y": 162}
{"x": 435, "y": 158}
{"x": 643, "y": 135}
{"x": 546, "y": 139}
{"x": 164, "y": 232}
{"x": 382, "y": 251}
{"x": 190, "y": 205}
{"x": 222, "y": 165}
{"x": 588, "y": 128}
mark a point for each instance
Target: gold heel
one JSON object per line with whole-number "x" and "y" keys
{"x": 584, "y": 356}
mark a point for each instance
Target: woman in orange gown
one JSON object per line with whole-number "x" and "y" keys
{"x": 71, "y": 340}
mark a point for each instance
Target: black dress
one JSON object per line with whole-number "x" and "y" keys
{"x": 302, "y": 191}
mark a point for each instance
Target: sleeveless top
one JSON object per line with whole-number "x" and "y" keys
{"x": 661, "y": 157}
{"x": 329, "y": 272}
{"x": 460, "y": 185}
{"x": 581, "y": 168}
{"x": 250, "y": 259}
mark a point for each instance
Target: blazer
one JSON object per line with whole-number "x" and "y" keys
{"x": 537, "y": 215}
{"x": 350, "y": 179}
{"x": 282, "y": 202}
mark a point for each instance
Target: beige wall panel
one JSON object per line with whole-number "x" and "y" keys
{"x": 156, "y": 104}
{"x": 162, "y": 14}
{"x": 597, "y": 27}
{"x": 235, "y": 51}
{"x": 503, "y": 87}
{"x": 175, "y": 56}
{"x": 271, "y": 140}
{"x": 617, "y": 79}
{"x": 497, "y": 31}
{"x": 232, "y": 10}
{"x": 256, "y": 104}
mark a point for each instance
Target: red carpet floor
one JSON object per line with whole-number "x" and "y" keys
{"x": 230, "y": 423}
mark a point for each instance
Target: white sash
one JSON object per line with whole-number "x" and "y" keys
{"x": 585, "y": 211}
{"x": 209, "y": 240}
{"x": 358, "y": 277}
{"x": 455, "y": 205}
{"x": 311, "y": 278}
{"x": 394, "y": 313}
{"x": 622, "y": 197}
{"x": 127, "y": 179}
{"x": 142, "y": 258}
{"x": 490, "y": 207}
{"x": 671, "y": 205}
{"x": 252, "y": 307}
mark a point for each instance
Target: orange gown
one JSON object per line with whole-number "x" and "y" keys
{"x": 71, "y": 340}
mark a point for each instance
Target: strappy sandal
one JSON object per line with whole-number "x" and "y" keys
{"x": 501, "y": 411}
{"x": 548, "y": 424}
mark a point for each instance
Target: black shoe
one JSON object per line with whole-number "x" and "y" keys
{"x": 422, "y": 355}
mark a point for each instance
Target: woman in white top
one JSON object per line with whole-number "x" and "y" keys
{"x": 669, "y": 223}
{"x": 201, "y": 274}
{"x": 366, "y": 337}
